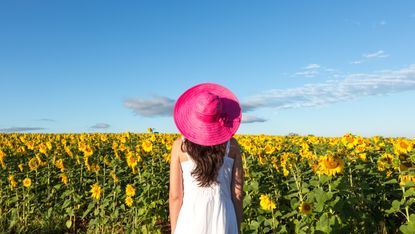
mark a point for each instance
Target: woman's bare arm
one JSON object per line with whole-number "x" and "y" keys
{"x": 237, "y": 186}
{"x": 176, "y": 185}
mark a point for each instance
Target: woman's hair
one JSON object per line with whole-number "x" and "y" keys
{"x": 208, "y": 161}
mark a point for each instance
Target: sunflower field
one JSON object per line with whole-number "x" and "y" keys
{"x": 119, "y": 183}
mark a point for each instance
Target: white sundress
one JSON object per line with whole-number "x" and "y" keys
{"x": 207, "y": 210}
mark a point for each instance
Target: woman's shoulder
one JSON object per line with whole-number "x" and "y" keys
{"x": 178, "y": 151}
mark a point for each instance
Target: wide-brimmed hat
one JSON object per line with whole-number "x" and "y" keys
{"x": 207, "y": 114}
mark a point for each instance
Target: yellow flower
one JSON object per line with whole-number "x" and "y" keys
{"x": 330, "y": 165}
{"x": 266, "y": 203}
{"x": 129, "y": 201}
{"x": 104, "y": 138}
{"x": 30, "y": 145}
{"x": 27, "y": 182}
{"x": 43, "y": 149}
{"x": 59, "y": 164}
{"x": 33, "y": 164}
{"x": 305, "y": 208}
{"x": 114, "y": 176}
{"x": 96, "y": 191}
{"x": 132, "y": 160}
{"x": 147, "y": 146}
{"x": 49, "y": 145}
{"x": 402, "y": 146}
{"x": 149, "y": 130}
{"x": 12, "y": 181}
{"x": 385, "y": 161}
{"x": 21, "y": 167}
{"x": 269, "y": 149}
{"x": 130, "y": 190}
{"x": 88, "y": 151}
{"x": 68, "y": 151}
{"x": 406, "y": 178}
{"x": 2, "y": 155}
{"x": 64, "y": 179}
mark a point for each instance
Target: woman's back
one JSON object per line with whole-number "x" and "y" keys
{"x": 207, "y": 209}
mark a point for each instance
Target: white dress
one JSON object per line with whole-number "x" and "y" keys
{"x": 208, "y": 210}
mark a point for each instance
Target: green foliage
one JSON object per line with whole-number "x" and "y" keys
{"x": 368, "y": 187}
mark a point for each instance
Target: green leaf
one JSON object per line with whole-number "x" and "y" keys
{"x": 409, "y": 192}
{"x": 392, "y": 181}
{"x": 254, "y": 225}
{"x": 409, "y": 227}
{"x": 66, "y": 203}
{"x": 323, "y": 224}
{"x": 68, "y": 223}
{"x": 90, "y": 207}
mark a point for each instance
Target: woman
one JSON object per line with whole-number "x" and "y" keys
{"x": 206, "y": 174}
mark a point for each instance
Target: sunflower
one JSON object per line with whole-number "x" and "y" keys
{"x": 129, "y": 201}
{"x": 269, "y": 149}
{"x": 21, "y": 167}
{"x": 330, "y": 165}
{"x": 130, "y": 190}
{"x": 266, "y": 203}
{"x": 27, "y": 182}
{"x": 96, "y": 191}
{"x": 402, "y": 146}
{"x": 305, "y": 208}
{"x": 2, "y": 155}
{"x": 88, "y": 151}
{"x": 59, "y": 164}
{"x": 131, "y": 160}
{"x": 64, "y": 179}
{"x": 147, "y": 146}
{"x": 12, "y": 181}
{"x": 406, "y": 178}
{"x": 33, "y": 164}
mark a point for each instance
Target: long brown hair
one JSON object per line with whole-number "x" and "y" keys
{"x": 208, "y": 161}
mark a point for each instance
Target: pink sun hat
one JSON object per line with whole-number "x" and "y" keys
{"x": 207, "y": 114}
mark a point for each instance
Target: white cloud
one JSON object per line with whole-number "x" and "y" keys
{"x": 350, "y": 87}
{"x": 156, "y": 106}
{"x": 369, "y": 56}
{"x": 252, "y": 119}
{"x": 21, "y": 129}
{"x": 356, "y": 62}
{"x": 101, "y": 126}
{"x": 308, "y": 73}
{"x": 312, "y": 66}
{"x": 377, "y": 54}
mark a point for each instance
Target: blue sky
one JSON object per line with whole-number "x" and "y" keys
{"x": 308, "y": 67}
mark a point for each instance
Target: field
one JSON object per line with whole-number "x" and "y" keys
{"x": 119, "y": 183}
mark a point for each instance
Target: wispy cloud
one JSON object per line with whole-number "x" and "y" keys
{"x": 308, "y": 73}
{"x": 100, "y": 126}
{"x": 369, "y": 56}
{"x": 314, "y": 69}
{"x": 312, "y": 66}
{"x": 377, "y": 54}
{"x": 382, "y": 23}
{"x": 46, "y": 120}
{"x": 21, "y": 129}
{"x": 252, "y": 119}
{"x": 156, "y": 106}
{"x": 350, "y": 87}
{"x": 310, "y": 70}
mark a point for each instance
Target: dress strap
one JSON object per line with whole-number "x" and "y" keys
{"x": 228, "y": 146}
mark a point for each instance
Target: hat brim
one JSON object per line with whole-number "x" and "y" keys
{"x": 202, "y": 133}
